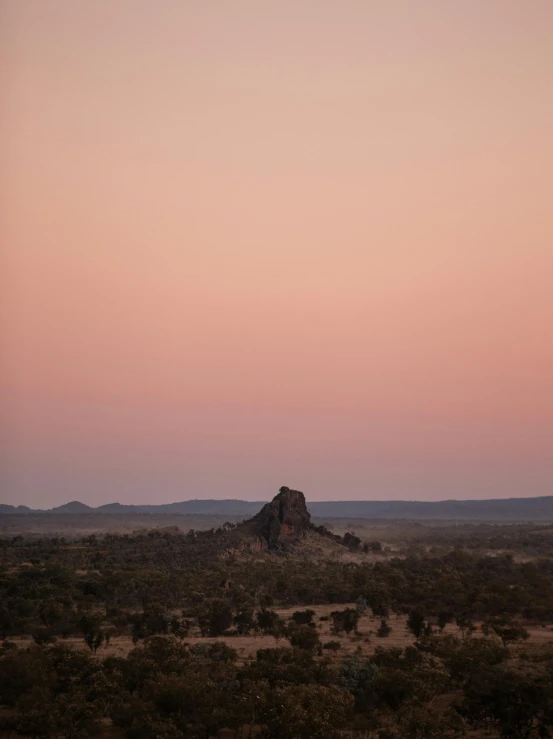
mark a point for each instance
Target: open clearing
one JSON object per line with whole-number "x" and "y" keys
{"x": 363, "y": 643}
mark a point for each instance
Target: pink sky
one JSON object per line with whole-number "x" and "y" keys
{"x": 298, "y": 242}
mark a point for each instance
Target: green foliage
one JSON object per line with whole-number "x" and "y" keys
{"x": 303, "y": 617}
{"x": 94, "y": 640}
{"x": 43, "y": 635}
{"x": 384, "y": 629}
{"x": 444, "y": 618}
{"x": 518, "y": 706}
{"x": 269, "y": 622}
{"x": 244, "y": 620}
{"x": 357, "y": 677}
{"x": 151, "y": 574}
{"x": 352, "y": 542}
{"x": 289, "y": 666}
{"x": 507, "y": 629}
{"x": 416, "y": 623}
{"x": 425, "y": 722}
{"x": 214, "y": 616}
{"x": 303, "y": 637}
{"x": 462, "y": 657}
{"x": 345, "y": 620}
{"x": 306, "y": 712}
{"x": 160, "y": 587}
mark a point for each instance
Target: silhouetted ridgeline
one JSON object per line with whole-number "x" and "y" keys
{"x": 509, "y": 509}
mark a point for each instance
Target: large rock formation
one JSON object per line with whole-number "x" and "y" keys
{"x": 284, "y": 520}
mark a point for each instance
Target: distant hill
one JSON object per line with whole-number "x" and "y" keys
{"x": 202, "y": 507}
{"x": 503, "y": 509}
{"x": 14, "y": 509}
{"x": 506, "y": 509}
{"x": 74, "y": 507}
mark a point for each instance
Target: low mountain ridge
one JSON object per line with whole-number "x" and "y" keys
{"x": 5, "y": 508}
{"x": 502, "y": 509}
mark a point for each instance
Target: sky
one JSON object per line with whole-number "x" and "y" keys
{"x": 298, "y": 242}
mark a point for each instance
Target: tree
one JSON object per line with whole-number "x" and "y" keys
{"x": 89, "y": 622}
{"x": 157, "y": 619}
{"x": 103, "y": 690}
{"x": 244, "y": 620}
{"x": 463, "y": 657}
{"x": 22, "y": 671}
{"x": 352, "y": 542}
{"x": 373, "y": 546}
{"x": 361, "y": 605}
{"x": 444, "y": 618}
{"x": 416, "y": 624}
{"x": 306, "y": 712}
{"x": 423, "y": 722}
{"x": 37, "y": 716}
{"x": 93, "y": 635}
{"x": 464, "y": 622}
{"x": 76, "y": 716}
{"x": 384, "y": 629}
{"x": 214, "y": 617}
{"x": 251, "y": 700}
{"x": 358, "y": 678}
{"x": 94, "y": 640}
{"x": 50, "y": 612}
{"x": 303, "y": 637}
{"x": 42, "y": 636}
{"x": 270, "y": 623}
{"x": 508, "y": 630}
{"x": 345, "y": 620}
{"x": 303, "y": 617}
{"x": 6, "y": 621}
{"x": 519, "y": 706}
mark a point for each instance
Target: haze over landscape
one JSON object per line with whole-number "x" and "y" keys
{"x": 246, "y": 243}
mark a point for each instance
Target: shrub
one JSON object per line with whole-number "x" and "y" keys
{"x": 384, "y": 629}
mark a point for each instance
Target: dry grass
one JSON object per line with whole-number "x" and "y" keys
{"x": 363, "y": 643}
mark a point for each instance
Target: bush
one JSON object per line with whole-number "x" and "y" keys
{"x": 303, "y": 617}
{"x": 384, "y": 629}
{"x": 345, "y": 620}
{"x": 42, "y": 636}
{"x": 214, "y": 617}
{"x": 303, "y": 637}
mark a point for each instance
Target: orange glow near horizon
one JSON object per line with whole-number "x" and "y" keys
{"x": 247, "y": 245}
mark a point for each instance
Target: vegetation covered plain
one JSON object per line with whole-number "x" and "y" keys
{"x": 279, "y": 627}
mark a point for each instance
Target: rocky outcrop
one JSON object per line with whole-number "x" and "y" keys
{"x": 284, "y": 525}
{"x": 284, "y": 520}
